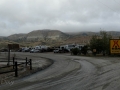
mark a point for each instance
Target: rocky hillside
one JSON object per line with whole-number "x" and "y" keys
{"x": 15, "y": 37}
{"x": 46, "y": 35}
{"x": 53, "y": 37}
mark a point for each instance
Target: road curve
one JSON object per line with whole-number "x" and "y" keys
{"x": 71, "y": 73}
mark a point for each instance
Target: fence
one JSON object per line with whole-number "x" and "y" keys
{"x": 15, "y": 63}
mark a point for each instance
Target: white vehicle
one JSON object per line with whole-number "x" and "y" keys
{"x": 67, "y": 47}
{"x": 42, "y": 48}
{"x": 56, "y": 50}
{"x": 37, "y": 47}
{"x": 79, "y": 46}
{"x": 71, "y": 46}
{"x": 34, "y": 51}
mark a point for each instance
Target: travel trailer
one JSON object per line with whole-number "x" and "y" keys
{"x": 67, "y": 47}
{"x": 42, "y": 48}
{"x": 71, "y": 46}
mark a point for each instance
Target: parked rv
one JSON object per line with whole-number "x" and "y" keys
{"x": 67, "y": 48}
{"x": 42, "y": 48}
{"x": 79, "y": 46}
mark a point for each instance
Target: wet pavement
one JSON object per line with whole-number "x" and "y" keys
{"x": 71, "y": 73}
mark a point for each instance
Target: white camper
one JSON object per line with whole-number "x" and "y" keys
{"x": 79, "y": 46}
{"x": 37, "y": 47}
{"x": 67, "y": 47}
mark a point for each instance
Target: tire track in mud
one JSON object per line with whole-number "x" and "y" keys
{"x": 60, "y": 68}
{"x": 97, "y": 75}
{"x": 108, "y": 73}
{"x": 73, "y": 80}
{"x": 64, "y": 74}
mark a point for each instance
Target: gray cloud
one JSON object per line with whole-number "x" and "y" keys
{"x": 23, "y": 16}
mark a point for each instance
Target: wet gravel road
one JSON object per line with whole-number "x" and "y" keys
{"x": 72, "y": 73}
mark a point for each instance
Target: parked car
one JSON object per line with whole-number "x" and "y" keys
{"x": 56, "y": 50}
{"x": 34, "y": 51}
{"x": 25, "y": 49}
{"x": 4, "y": 50}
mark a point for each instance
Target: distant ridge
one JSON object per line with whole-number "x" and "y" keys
{"x": 54, "y": 37}
{"x": 46, "y": 34}
{"x": 16, "y": 36}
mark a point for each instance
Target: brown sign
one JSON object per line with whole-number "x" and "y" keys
{"x": 13, "y": 46}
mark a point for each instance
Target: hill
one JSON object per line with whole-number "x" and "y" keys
{"x": 53, "y": 37}
{"x": 46, "y": 35}
{"x": 15, "y": 37}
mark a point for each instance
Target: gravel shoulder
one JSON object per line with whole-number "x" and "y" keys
{"x": 38, "y": 64}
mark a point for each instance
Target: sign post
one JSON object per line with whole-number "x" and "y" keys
{"x": 94, "y": 52}
{"x": 114, "y": 46}
{"x": 11, "y": 46}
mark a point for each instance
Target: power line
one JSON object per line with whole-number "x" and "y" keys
{"x": 106, "y": 5}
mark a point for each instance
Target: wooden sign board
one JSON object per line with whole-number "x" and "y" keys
{"x": 13, "y": 46}
{"x": 94, "y": 50}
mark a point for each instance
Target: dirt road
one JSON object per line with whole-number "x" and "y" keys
{"x": 71, "y": 73}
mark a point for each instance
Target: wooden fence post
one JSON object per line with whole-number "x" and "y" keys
{"x": 13, "y": 62}
{"x": 30, "y": 64}
{"x": 8, "y": 57}
{"x": 16, "y": 69}
{"x": 26, "y": 61}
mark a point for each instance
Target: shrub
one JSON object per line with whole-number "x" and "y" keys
{"x": 75, "y": 51}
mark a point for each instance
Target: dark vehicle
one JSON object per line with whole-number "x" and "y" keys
{"x": 4, "y": 50}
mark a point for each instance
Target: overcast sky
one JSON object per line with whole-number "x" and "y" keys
{"x": 23, "y": 16}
